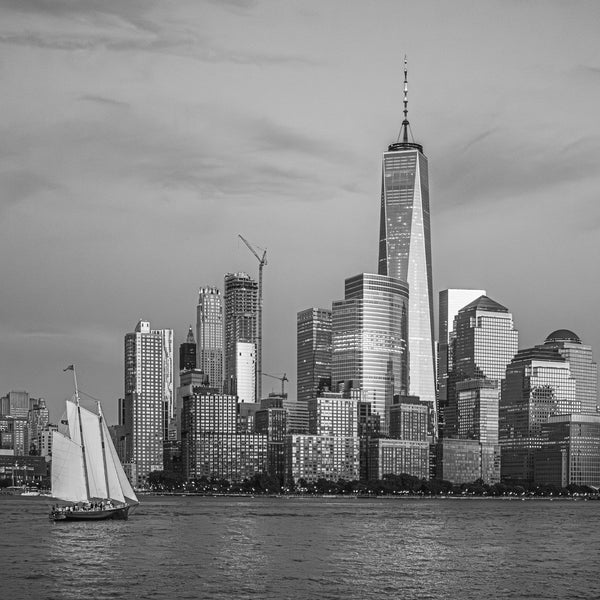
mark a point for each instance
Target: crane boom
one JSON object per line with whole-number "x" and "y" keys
{"x": 282, "y": 379}
{"x": 262, "y": 261}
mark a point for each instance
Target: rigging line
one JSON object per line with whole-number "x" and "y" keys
{"x": 90, "y": 396}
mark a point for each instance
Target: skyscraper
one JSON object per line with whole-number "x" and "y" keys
{"x": 314, "y": 352}
{"x": 241, "y": 311}
{"x": 450, "y": 302}
{"x": 405, "y": 249}
{"x": 369, "y": 339}
{"x": 485, "y": 340}
{"x": 187, "y": 353}
{"x": 149, "y": 402}
{"x": 538, "y": 385}
{"x": 583, "y": 367}
{"x": 209, "y": 335}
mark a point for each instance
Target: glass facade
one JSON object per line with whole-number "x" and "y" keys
{"x": 450, "y": 302}
{"x": 370, "y": 339}
{"x": 583, "y": 367}
{"x": 477, "y": 410}
{"x": 405, "y": 254}
{"x": 538, "y": 385}
{"x": 570, "y": 453}
{"x": 314, "y": 352}
{"x": 209, "y": 335}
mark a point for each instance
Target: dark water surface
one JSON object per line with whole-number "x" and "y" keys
{"x": 195, "y": 547}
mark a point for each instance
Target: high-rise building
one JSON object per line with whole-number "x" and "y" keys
{"x": 209, "y": 335}
{"x": 583, "y": 367}
{"x": 485, "y": 340}
{"x": 211, "y": 443}
{"x": 314, "y": 352}
{"x": 245, "y": 371}
{"x": 370, "y": 339}
{"x": 241, "y": 312}
{"x": 570, "y": 452}
{"x": 450, "y": 302}
{"x": 149, "y": 401}
{"x": 331, "y": 450}
{"x": 407, "y": 449}
{"x": 405, "y": 249}
{"x": 187, "y": 353}
{"x": 538, "y": 384}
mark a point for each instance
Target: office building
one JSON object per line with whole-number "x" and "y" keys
{"x": 583, "y": 367}
{"x": 538, "y": 384}
{"x": 405, "y": 249}
{"x": 483, "y": 342}
{"x": 406, "y": 451}
{"x": 370, "y": 340}
{"x": 296, "y": 411}
{"x": 450, "y": 302}
{"x": 209, "y": 335}
{"x": 149, "y": 402}
{"x": 570, "y": 451}
{"x": 240, "y": 322}
{"x": 272, "y": 422}
{"x": 467, "y": 461}
{"x": 313, "y": 352}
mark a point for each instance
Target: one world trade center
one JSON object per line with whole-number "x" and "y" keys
{"x": 405, "y": 251}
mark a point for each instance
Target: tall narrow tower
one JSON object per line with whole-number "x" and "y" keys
{"x": 209, "y": 335}
{"x": 241, "y": 323}
{"x": 405, "y": 249}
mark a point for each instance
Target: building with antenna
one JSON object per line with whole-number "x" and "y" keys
{"x": 405, "y": 249}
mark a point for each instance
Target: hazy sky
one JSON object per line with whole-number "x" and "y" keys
{"x": 138, "y": 138}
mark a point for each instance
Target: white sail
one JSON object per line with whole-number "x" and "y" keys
{"x": 73, "y": 420}
{"x": 114, "y": 487}
{"x": 68, "y": 476}
{"x": 92, "y": 442}
{"x": 116, "y": 469}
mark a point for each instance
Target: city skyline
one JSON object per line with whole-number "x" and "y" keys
{"x": 124, "y": 169}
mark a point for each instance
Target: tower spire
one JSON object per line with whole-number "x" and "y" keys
{"x": 405, "y": 123}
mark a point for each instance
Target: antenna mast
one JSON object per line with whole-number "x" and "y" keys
{"x": 262, "y": 261}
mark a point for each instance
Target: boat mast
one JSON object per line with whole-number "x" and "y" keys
{"x": 101, "y": 418}
{"x": 85, "y": 471}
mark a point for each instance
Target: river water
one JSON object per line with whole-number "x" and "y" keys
{"x": 195, "y": 547}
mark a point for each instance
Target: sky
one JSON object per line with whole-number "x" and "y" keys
{"x": 139, "y": 138}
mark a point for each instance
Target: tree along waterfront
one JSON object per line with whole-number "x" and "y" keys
{"x": 390, "y": 485}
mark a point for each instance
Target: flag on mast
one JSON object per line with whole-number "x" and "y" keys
{"x": 69, "y": 368}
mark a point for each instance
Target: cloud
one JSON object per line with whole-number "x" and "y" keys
{"x": 478, "y": 138}
{"x": 104, "y": 101}
{"x": 17, "y": 185}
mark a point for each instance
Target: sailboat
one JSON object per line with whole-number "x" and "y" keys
{"x": 86, "y": 470}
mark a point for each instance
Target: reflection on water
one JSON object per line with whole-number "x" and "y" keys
{"x": 296, "y": 548}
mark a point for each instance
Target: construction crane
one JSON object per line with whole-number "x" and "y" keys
{"x": 282, "y": 379}
{"x": 262, "y": 261}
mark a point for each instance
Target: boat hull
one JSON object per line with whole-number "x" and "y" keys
{"x": 120, "y": 513}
